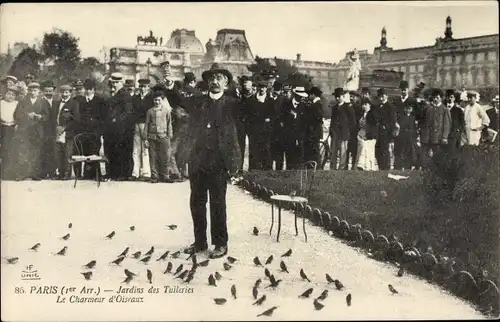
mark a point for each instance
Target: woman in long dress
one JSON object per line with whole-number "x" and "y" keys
{"x": 367, "y": 138}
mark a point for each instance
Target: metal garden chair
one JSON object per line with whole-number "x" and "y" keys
{"x": 80, "y": 158}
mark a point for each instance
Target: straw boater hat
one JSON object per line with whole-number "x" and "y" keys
{"x": 66, "y": 87}
{"x": 10, "y": 77}
{"x": 116, "y": 77}
{"x": 216, "y": 68}
{"x": 300, "y": 91}
{"x": 33, "y": 85}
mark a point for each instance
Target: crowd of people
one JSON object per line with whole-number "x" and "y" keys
{"x": 143, "y": 129}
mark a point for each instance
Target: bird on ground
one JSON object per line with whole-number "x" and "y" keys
{"x": 176, "y": 254}
{"x": 150, "y": 276}
{"x": 268, "y": 312}
{"x": 304, "y": 276}
{"x": 124, "y": 253}
{"x": 267, "y": 273}
{"x": 194, "y": 259}
{"x": 164, "y": 256}
{"x": 323, "y": 295}
{"x": 150, "y": 251}
{"x": 269, "y": 260}
{"x": 257, "y": 283}
{"x": 190, "y": 276}
{"x": 146, "y": 259}
{"x": 183, "y": 274}
{"x": 317, "y": 305}
{"x": 255, "y": 231}
{"x": 220, "y": 301}
{"x": 70, "y": 225}
{"x": 132, "y": 228}
{"x": 128, "y": 279}
{"x": 87, "y": 275}
{"x": 283, "y": 267}
{"x": 338, "y": 285}
{"x": 62, "y": 252}
{"x": 179, "y": 269}
{"x": 118, "y": 261}
{"x": 274, "y": 283}
{"x": 233, "y": 291}
{"x": 288, "y": 253}
{"x": 169, "y": 268}
{"x": 401, "y": 272}
{"x": 329, "y": 279}
{"x": 211, "y": 280}
{"x": 226, "y": 266}
{"x": 136, "y": 255}
{"x": 90, "y": 264}
{"x": 12, "y": 260}
{"x": 231, "y": 260}
{"x": 110, "y": 235}
{"x": 66, "y": 237}
{"x": 392, "y": 289}
{"x": 261, "y": 300}
{"x": 257, "y": 262}
{"x": 203, "y": 263}
{"x": 307, "y": 293}
{"x": 35, "y": 247}
{"x": 218, "y": 276}
{"x": 348, "y": 299}
{"x": 172, "y": 227}
{"x": 255, "y": 292}
{"x": 129, "y": 273}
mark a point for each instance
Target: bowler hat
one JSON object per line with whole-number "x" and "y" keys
{"x": 216, "y": 68}
{"x": 277, "y": 86}
{"x": 144, "y": 81}
{"x": 366, "y": 100}
{"x": 436, "y": 92}
{"x": 48, "y": 83}
{"x": 33, "y": 85}
{"x": 315, "y": 91}
{"x": 403, "y": 85}
{"x": 159, "y": 88}
{"x": 339, "y": 91}
{"x": 189, "y": 77}
{"x": 66, "y": 87}
{"x": 421, "y": 85}
{"x": 89, "y": 84}
{"x": 381, "y": 91}
{"x": 449, "y": 92}
{"x": 156, "y": 94}
{"x": 129, "y": 83}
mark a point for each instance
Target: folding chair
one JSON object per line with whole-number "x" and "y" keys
{"x": 306, "y": 172}
{"x": 80, "y": 158}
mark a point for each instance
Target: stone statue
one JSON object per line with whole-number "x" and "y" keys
{"x": 352, "y": 81}
{"x": 211, "y": 47}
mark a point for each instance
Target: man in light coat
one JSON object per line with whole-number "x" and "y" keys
{"x": 476, "y": 120}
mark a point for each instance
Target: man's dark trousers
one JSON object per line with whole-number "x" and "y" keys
{"x": 214, "y": 182}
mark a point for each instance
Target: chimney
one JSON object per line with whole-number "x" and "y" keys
{"x": 299, "y": 58}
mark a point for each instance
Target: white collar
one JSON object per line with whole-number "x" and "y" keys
{"x": 294, "y": 102}
{"x": 89, "y": 98}
{"x": 404, "y": 99}
{"x": 260, "y": 98}
{"x": 316, "y": 99}
{"x": 216, "y": 96}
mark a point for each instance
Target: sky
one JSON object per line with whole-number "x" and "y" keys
{"x": 322, "y": 31}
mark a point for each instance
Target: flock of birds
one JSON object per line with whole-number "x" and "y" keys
{"x": 186, "y": 274}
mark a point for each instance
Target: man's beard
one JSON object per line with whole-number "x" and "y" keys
{"x": 49, "y": 96}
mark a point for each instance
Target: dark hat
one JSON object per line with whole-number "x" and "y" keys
{"x": 269, "y": 73}
{"x": 381, "y": 91}
{"x": 458, "y": 97}
{"x": 66, "y": 87}
{"x": 244, "y": 78}
{"x": 189, "y": 77}
{"x": 129, "y": 83}
{"x": 403, "y": 85}
{"x": 365, "y": 90}
{"x": 89, "y": 84}
{"x": 449, "y": 92}
{"x": 421, "y": 85}
{"x": 202, "y": 85}
{"x": 354, "y": 93}
{"x": 216, "y": 68}
{"x": 144, "y": 81}
{"x": 10, "y": 77}
{"x": 339, "y": 91}
{"x": 262, "y": 83}
{"x": 366, "y": 101}
{"x": 156, "y": 94}
{"x": 159, "y": 88}
{"x": 277, "y": 86}
{"x": 77, "y": 83}
{"x": 315, "y": 91}
{"x": 48, "y": 83}
{"x": 33, "y": 85}
{"x": 436, "y": 92}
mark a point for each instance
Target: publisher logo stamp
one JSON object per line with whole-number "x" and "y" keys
{"x": 29, "y": 273}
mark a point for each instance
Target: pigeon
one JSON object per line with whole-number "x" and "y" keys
{"x": 66, "y": 237}
{"x": 136, "y": 255}
{"x": 255, "y": 231}
{"x": 12, "y": 260}
{"x": 268, "y": 312}
{"x": 348, "y": 299}
{"x": 204, "y": 263}
{"x": 329, "y": 279}
{"x": 179, "y": 269}
{"x": 401, "y": 272}
{"x": 304, "y": 276}
{"x": 118, "y": 261}
{"x": 283, "y": 267}
{"x": 169, "y": 268}
{"x": 176, "y": 254}
{"x": 233, "y": 291}
{"x": 257, "y": 283}
{"x": 90, "y": 264}
{"x": 124, "y": 253}
{"x": 260, "y": 301}
{"x": 218, "y": 276}
{"x": 318, "y": 306}
{"x": 150, "y": 251}
{"x": 62, "y": 252}
{"x": 146, "y": 259}
{"x": 231, "y": 260}
{"x": 127, "y": 279}
{"x": 226, "y": 266}
{"x": 288, "y": 253}
{"x": 323, "y": 295}
{"x": 307, "y": 293}
{"x": 220, "y": 301}
{"x": 269, "y": 260}
{"x": 338, "y": 285}
{"x": 110, "y": 235}
{"x": 256, "y": 261}
{"x": 183, "y": 274}
{"x": 172, "y": 227}
{"x": 392, "y": 289}
{"x": 164, "y": 256}
{"x": 87, "y": 275}
{"x": 70, "y": 225}
{"x": 255, "y": 292}
{"x": 194, "y": 259}
{"x": 267, "y": 273}
{"x": 132, "y": 228}
{"x": 274, "y": 282}
{"x": 129, "y": 273}
{"x": 35, "y": 247}
{"x": 150, "y": 276}
{"x": 293, "y": 193}
{"x": 211, "y": 280}
{"x": 190, "y": 276}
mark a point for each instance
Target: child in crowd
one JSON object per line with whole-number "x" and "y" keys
{"x": 158, "y": 133}
{"x": 367, "y": 135}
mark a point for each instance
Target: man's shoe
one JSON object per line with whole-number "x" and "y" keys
{"x": 153, "y": 181}
{"x": 218, "y": 252}
{"x": 195, "y": 249}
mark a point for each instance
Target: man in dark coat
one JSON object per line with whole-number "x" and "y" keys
{"x": 143, "y": 101}
{"x": 118, "y": 135}
{"x": 342, "y": 124}
{"x": 277, "y": 140}
{"x": 457, "y": 126}
{"x": 493, "y": 116}
{"x": 352, "y": 146}
{"x": 312, "y": 126}
{"x": 386, "y": 132}
{"x": 242, "y": 114}
{"x": 48, "y": 166}
{"x": 213, "y": 154}
{"x": 291, "y": 117}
